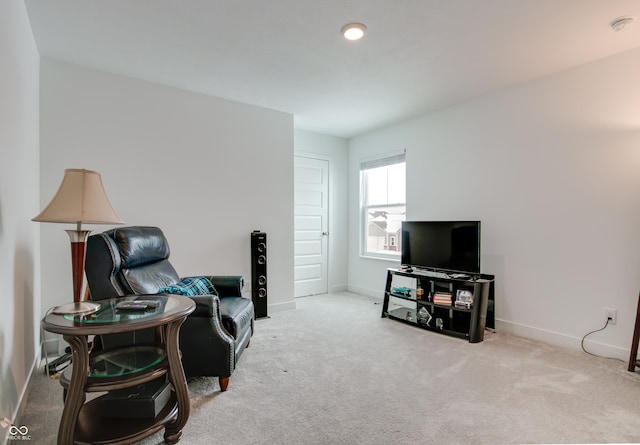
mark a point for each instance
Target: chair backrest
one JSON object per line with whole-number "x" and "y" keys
{"x": 128, "y": 260}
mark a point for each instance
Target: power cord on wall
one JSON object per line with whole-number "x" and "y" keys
{"x": 606, "y": 323}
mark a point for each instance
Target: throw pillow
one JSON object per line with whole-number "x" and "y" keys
{"x": 190, "y": 286}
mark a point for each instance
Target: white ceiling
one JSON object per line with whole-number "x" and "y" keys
{"x": 288, "y": 55}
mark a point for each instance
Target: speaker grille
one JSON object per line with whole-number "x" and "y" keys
{"x": 259, "y": 272}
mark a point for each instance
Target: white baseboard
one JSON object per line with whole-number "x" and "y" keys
{"x": 279, "y": 307}
{"x": 338, "y": 288}
{"x": 562, "y": 340}
{"x": 375, "y": 293}
{"x": 533, "y": 333}
{"x": 16, "y": 418}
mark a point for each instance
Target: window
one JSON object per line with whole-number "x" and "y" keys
{"x": 383, "y": 206}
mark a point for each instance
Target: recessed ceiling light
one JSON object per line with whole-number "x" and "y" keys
{"x": 620, "y": 23}
{"x": 353, "y": 31}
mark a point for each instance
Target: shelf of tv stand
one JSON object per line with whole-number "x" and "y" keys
{"x": 467, "y": 323}
{"x": 399, "y": 314}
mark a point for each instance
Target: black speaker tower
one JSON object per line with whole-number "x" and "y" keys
{"x": 259, "y": 272}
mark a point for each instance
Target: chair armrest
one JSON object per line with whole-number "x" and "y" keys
{"x": 226, "y": 285}
{"x": 206, "y": 306}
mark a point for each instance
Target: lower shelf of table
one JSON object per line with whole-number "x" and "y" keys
{"x": 95, "y": 427}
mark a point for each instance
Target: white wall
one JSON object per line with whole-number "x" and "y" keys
{"x": 336, "y": 151}
{"x": 19, "y": 202}
{"x": 550, "y": 167}
{"x": 207, "y": 171}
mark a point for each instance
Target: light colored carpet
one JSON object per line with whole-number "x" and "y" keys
{"x": 333, "y": 372}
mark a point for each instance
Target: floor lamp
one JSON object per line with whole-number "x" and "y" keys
{"x": 80, "y": 199}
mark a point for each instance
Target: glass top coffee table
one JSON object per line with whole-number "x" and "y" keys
{"x": 121, "y": 368}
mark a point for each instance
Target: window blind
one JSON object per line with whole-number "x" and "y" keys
{"x": 382, "y": 162}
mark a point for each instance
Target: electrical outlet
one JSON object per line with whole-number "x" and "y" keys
{"x": 612, "y": 315}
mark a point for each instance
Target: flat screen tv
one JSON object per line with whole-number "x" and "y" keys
{"x": 450, "y": 246}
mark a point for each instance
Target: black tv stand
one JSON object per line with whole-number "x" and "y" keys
{"x": 420, "y": 304}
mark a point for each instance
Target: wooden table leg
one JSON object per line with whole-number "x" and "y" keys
{"x": 75, "y": 393}
{"x": 173, "y": 430}
{"x": 633, "y": 357}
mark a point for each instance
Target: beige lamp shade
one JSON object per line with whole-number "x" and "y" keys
{"x": 80, "y": 199}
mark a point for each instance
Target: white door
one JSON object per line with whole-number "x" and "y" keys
{"x": 311, "y": 202}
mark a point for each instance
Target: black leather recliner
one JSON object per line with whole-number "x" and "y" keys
{"x": 135, "y": 260}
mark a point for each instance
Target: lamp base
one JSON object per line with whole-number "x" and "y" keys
{"x": 80, "y": 307}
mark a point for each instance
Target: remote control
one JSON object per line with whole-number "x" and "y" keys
{"x": 131, "y": 306}
{"x": 151, "y": 303}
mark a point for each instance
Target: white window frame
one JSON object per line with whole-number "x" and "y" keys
{"x": 381, "y": 161}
